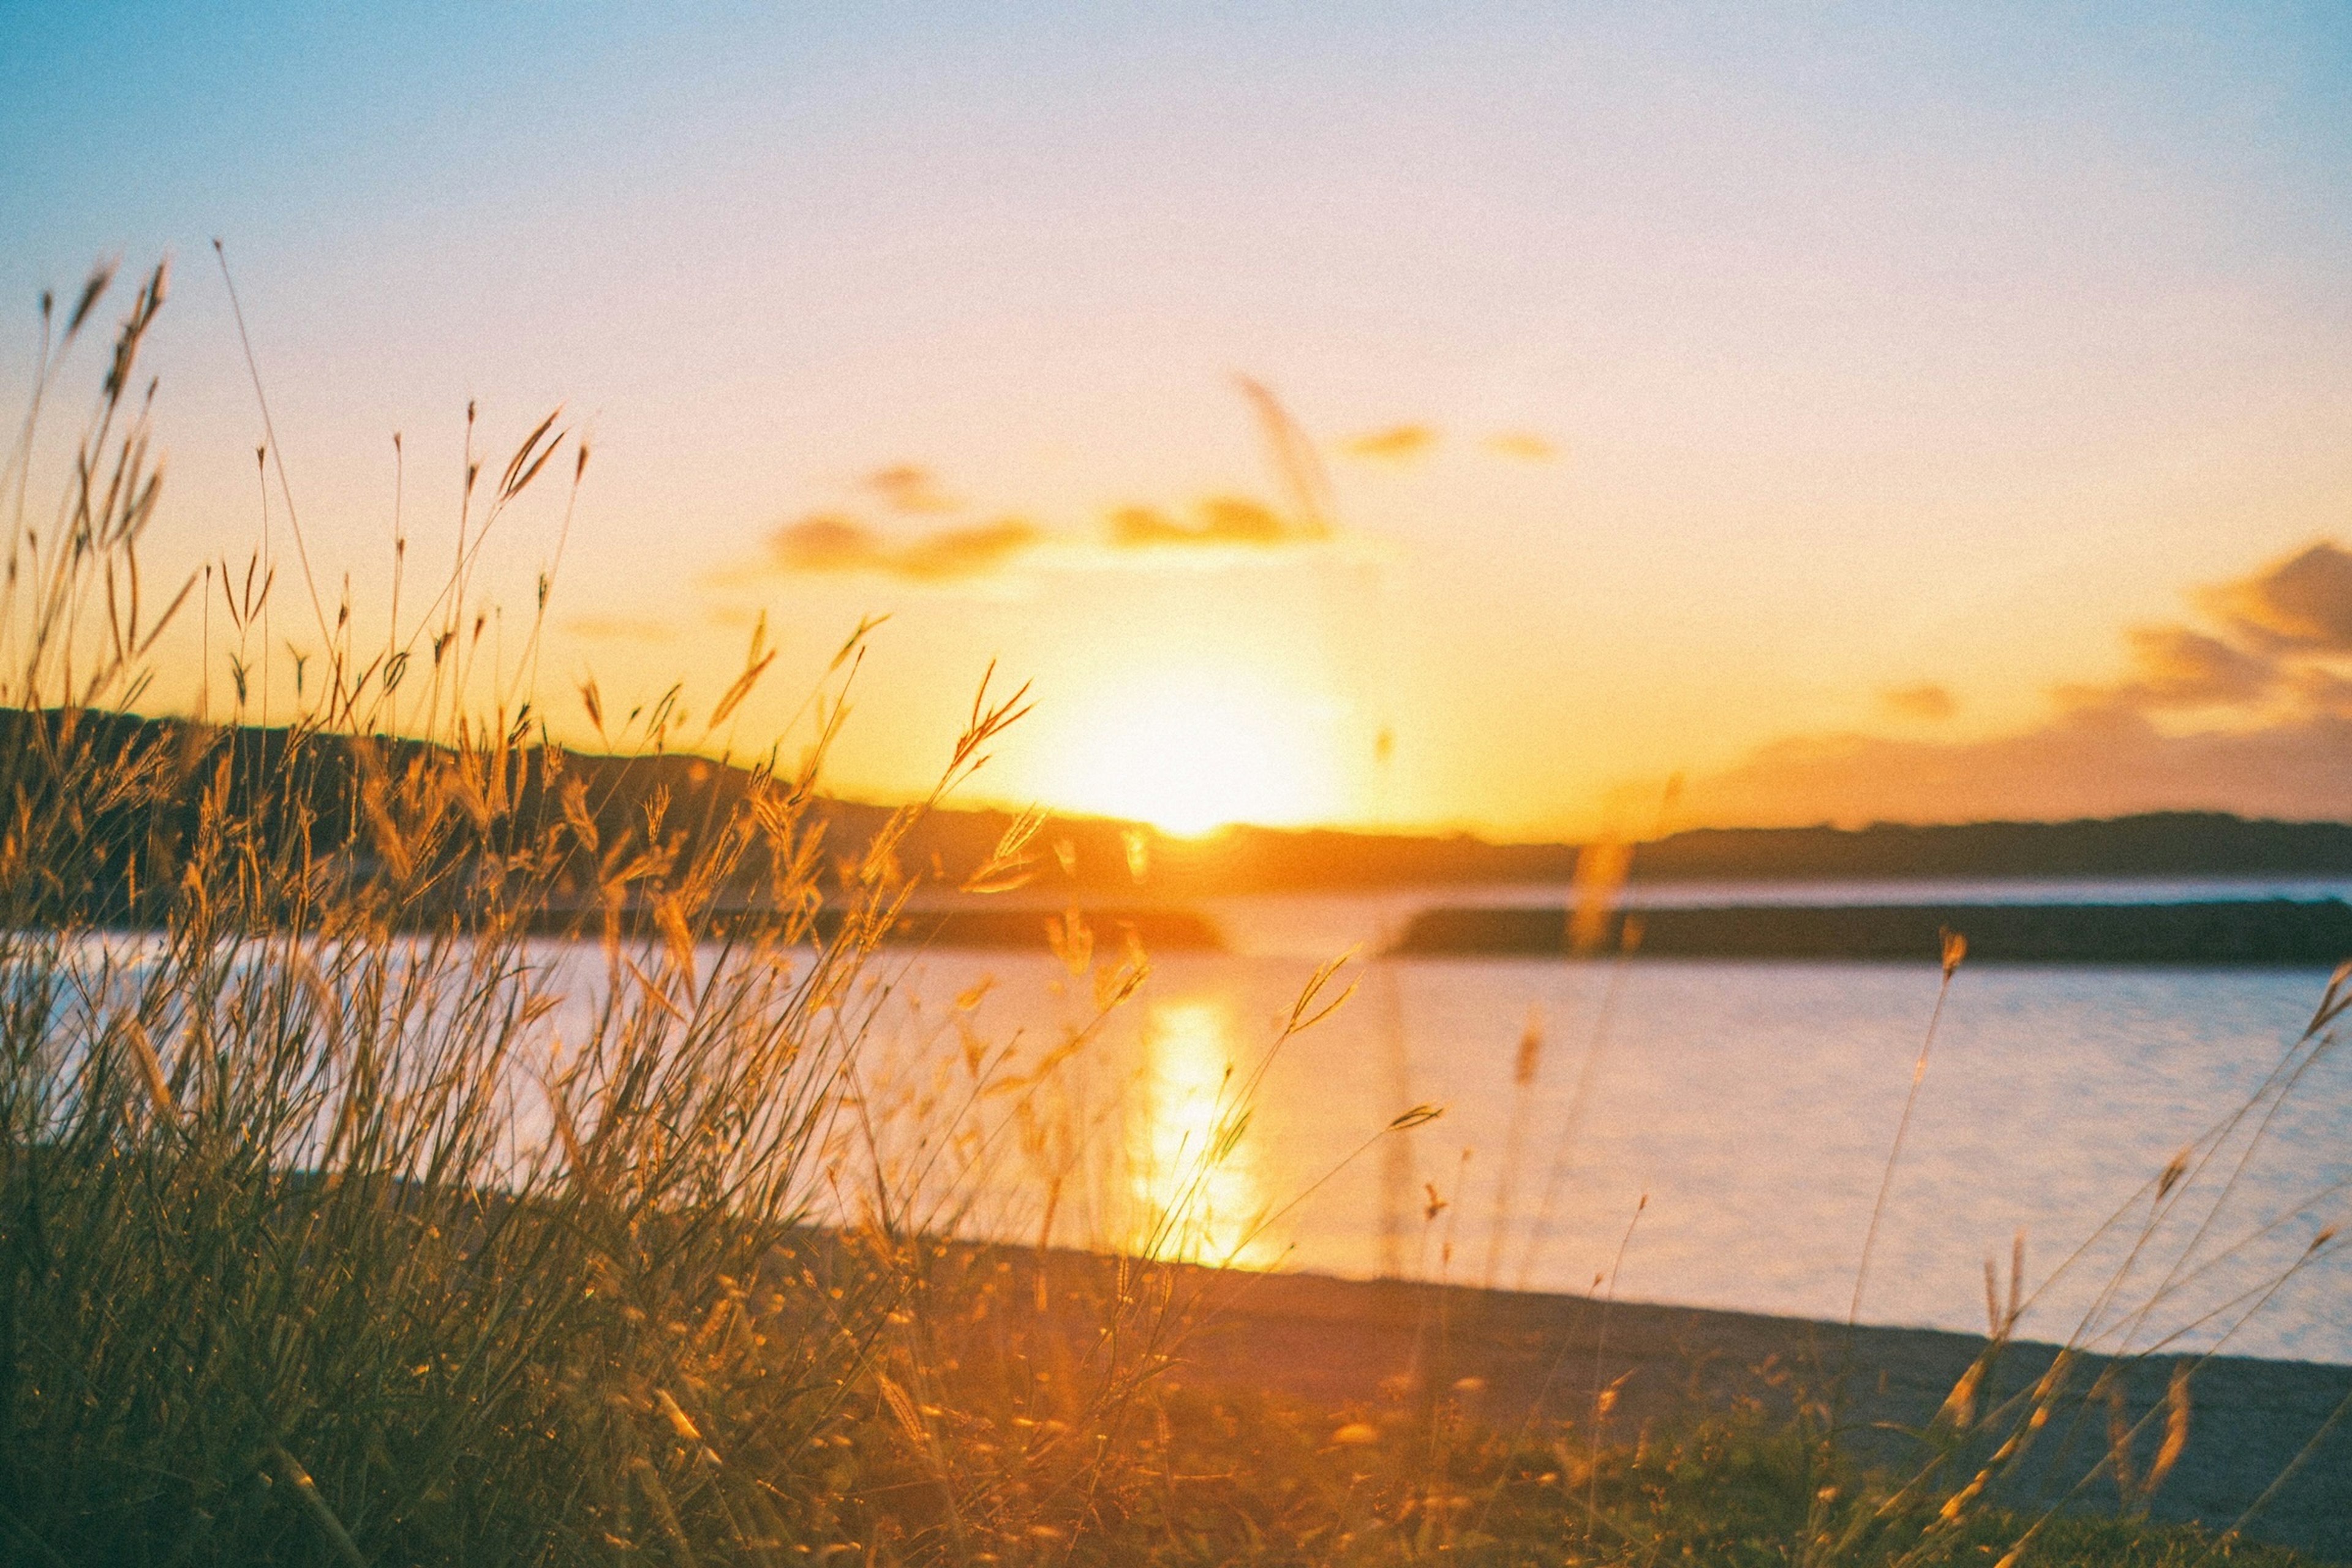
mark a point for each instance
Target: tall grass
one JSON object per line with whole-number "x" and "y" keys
{"x": 439, "y": 1149}
{"x": 331, "y": 1226}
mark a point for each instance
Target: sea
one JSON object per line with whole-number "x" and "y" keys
{"x": 2132, "y": 1159}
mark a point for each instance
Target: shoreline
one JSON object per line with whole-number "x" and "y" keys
{"x": 1342, "y": 1342}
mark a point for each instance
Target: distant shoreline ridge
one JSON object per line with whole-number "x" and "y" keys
{"x": 1073, "y": 856}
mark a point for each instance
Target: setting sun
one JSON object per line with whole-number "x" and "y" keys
{"x": 1195, "y": 750}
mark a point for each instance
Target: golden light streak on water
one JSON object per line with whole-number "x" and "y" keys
{"x": 1193, "y": 1165}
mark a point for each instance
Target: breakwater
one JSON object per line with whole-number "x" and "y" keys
{"x": 1013, "y": 927}
{"x": 1159, "y": 930}
{"x": 2269, "y": 932}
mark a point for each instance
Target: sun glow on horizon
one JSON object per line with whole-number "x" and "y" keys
{"x": 1192, "y": 751}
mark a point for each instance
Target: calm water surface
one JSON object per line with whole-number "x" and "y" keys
{"x": 1752, "y": 1103}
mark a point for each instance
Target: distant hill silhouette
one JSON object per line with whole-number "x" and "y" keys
{"x": 1102, "y": 859}
{"x": 2159, "y": 844}
{"x": 2154, "y": 844}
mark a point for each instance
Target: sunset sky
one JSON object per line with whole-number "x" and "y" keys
{"x": 1923, "y": 415}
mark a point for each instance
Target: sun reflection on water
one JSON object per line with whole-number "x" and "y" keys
{"x": 1194, "y": 1166}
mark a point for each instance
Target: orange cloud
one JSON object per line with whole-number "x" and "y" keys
{"x": 909, "y": 487}
{"x": 967, "y": 552}
{"x": 2091, "y": 762}
{"x": 837, "y": 542}
{"x": 2322, "y": 691}
{"x": 1397, "y": 444}
{"x": 2174, "y": 666}
{"x": 1524, "y": 445}
{"x": 830, "y": 542}
{"x": 2302, "y": 602}
{"x": 826, "y": 541}
{"x": 1927, "y": 700}
{"x": 1219, "y": 520}
{"x": 2280, "y": 743}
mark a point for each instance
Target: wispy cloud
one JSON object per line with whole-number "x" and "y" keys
{"x": 1397, "y": 444}
{"x": 2091, "y": 762}
{"x": 832, "y": 542}
{"x": 1524, "y": 446}
{"x": 841, "y": 543}
{"x": 929, "y": 535}
{"x": 1402, "y": 445}
{"x": 1927, "y": 700}
{"x": 911, "y": 488}
{"x": 1229, "y": 522}
{"x": 2268, "y": 687}
{"x": 2301, "y": 603}
{"x": 2174, "y": 666}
